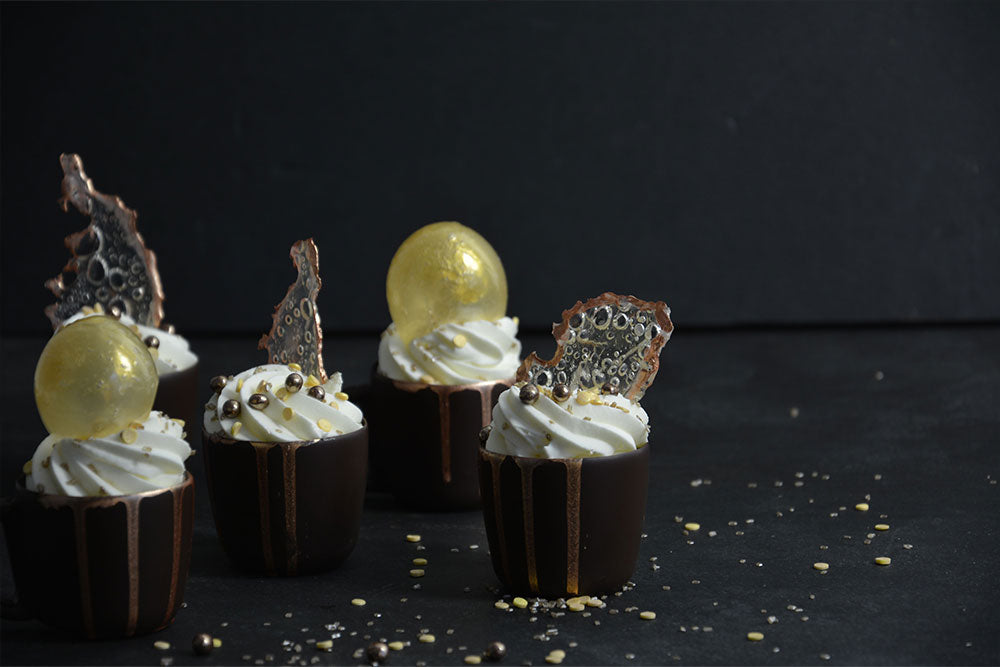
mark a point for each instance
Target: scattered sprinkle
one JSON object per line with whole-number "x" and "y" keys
{"x": 882, "y": 560}
{"x": 576, "y": 606}
{"x": 881, "y": 526}
{"x": 216, "y": 642}
{"x": 420, "y": 561}
{"x": 396, "y": 645}
{"x": 520, "y": 603}
{"x": 692, "y": 526}
{"x": 358, "y": 602}
{"x": 427, "y": 639}
{"x": 129, "y": 436}
{"x": 472, "y": 659}
{"x": 236, "y": 428}
{"x": 459, "y": 340}
{"x": 412, "y": 538}
{"x": 340, "y": 395}
{"x": 755, "y": 636}
{"x": 647, "y": 615}
{"x": 500, "y": 604}
{"x": 861, "y": 507}
{"x": 323, "y": 425}
{"x": 161, "y": 645}
{"x": 821, "y": 566}
{"x": 417, "y": 572}
{"x": 324, "y": 645}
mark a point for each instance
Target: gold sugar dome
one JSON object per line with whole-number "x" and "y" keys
{"x": 444, "y": 273}
{"x": 94, "y": 378}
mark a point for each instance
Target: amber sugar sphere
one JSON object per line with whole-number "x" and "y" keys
{"x": 93, "y": 378}
{"x": 444, "y": 273}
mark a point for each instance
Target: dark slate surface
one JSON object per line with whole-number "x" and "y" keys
{"x": 773, "y": 493}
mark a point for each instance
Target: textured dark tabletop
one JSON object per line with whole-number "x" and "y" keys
{"x": 767, "y": 439}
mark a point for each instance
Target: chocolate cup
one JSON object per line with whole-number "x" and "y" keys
{"x": 425, "y": 438}
{"x": 559, "y": 527}
{"x": 101, "y": 567}
{"x": 177, "y": 395}
{"x": 287, "y": 508}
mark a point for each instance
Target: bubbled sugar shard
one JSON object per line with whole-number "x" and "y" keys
{"x": 296, "y": 335}
{"x": 609, "y": 339}
{"x": 111, "y": 264}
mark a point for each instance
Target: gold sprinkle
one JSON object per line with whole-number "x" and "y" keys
{"x": 553, "y": 660}
{"x": 216, "y": 642}
{"x": 129, "y": 436}
{"x": 323, "y": 425}
{"x": 459, "y": 340}
{"x": 239, "y": 384}
{"x": 358, "y": 602}
{"x": 416, "y": 572}
{"x": 325, "y": 645}
{"x": 883, "y": 560}
{"x": 287, "y": 413}
{"x": 473, "y": 660}
{"x": 99, "y": 307}
{"x": 594, "y": 602}
{"x": 520, "y": 602}
{"x": 692, "y": 526}
{"x": 180, "y": 422}
{"x": 162, "y": 645}
{"x": 821, "y": 566}
{"x": 281, "y": 394}
{"x": 294, "y": 367}
{"x": 861, "y": 507}
{"x": 755, "y": 636}
{"x": 420, "y": 561}
{"x": 881, "y": 526}
{"x": 26, "y": 468}
{"x": 558, "y": 654}
{"x": 427, "y": 379}
{"x": 500, "y": 604}
{"x": 138, "y": 426}
{"x": 236, "y": 428}
{"x": 647, "y": 615}
{"x": 340, "y": 396}
{"x": 262, "y": 386}
{"x": 396, "y": 645}
{"x": 412, "y": 538}
{"x": 427, "y": 639}
{"x": 312, "y": 381}
{"x": 87, "y": 310}
{"x": 576, "y": 606}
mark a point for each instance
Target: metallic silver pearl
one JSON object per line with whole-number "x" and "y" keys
{"x": 560, "y": 392}
{"x": 484, "y": 433}
{"x": 170, "y": 329}
{"x": 293, "y": 382}
{"x": 115, "y": 312}
{"x": 528, "y": 394}
{"x": 608, "y": 388}
{"x": 495, "y": 651}
{"x": 258, "y": 401}
{"x": 231, "y": 409}
{"x": 317, "y": 392}
{"x": 152, "y": 342}
{"x": 377, "y": 652}
{"x": 217, "y": 383}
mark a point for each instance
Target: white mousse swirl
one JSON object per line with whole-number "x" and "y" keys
{"x": 453, "y": 354}
{"x": 174, "y": 353}
{"x": 584, "y": 425}
{"x": 288, "y": 416}
{"x": 145, "y": 456}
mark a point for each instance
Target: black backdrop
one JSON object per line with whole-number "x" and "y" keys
{"x": 746, "y": 162}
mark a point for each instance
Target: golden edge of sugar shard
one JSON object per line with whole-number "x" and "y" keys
{"x": 110, "y": 262}
{"x": 608, "y": 339}
{"x": 296, "y": 335}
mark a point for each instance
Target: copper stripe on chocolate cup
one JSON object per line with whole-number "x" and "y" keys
{"x": 102, "y": 567}
{"x": 287, "y": 508}
{"x": 561, "y": 527}
{"x": 425, "y": 438}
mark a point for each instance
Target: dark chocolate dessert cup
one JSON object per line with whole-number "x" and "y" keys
{"x": 564, "y": 527}
{"x": 287, "y": 508}
{"x": 177, "y": 396}
{"x": 425, "y": 439}
{"x": 104, "y": 566}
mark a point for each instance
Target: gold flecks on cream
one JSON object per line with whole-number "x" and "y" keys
{"x": 295, "y": 367}
{"x": 287, "y": 414}
{"x": 323, "y": 425}
{"x": 459, "y": 340}
{"x": 236, "y": 428}
{"x": 312, "y": 381}
{"x": 340, "y": 396}
{"x": 129, "y": 436}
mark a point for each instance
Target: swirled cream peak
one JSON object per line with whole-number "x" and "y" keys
{"x": 143, "y": 457}
{"x": 588, "y": 423}
{"x": 171, "y": 355}
{"x": 453, "y": 354}
{"x": 263, "y": 404}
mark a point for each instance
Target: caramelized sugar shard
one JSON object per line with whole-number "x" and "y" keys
{"x": 609, "y": 339}
{"x": 295, "y": 334}
{"x": 111, "y": 264}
